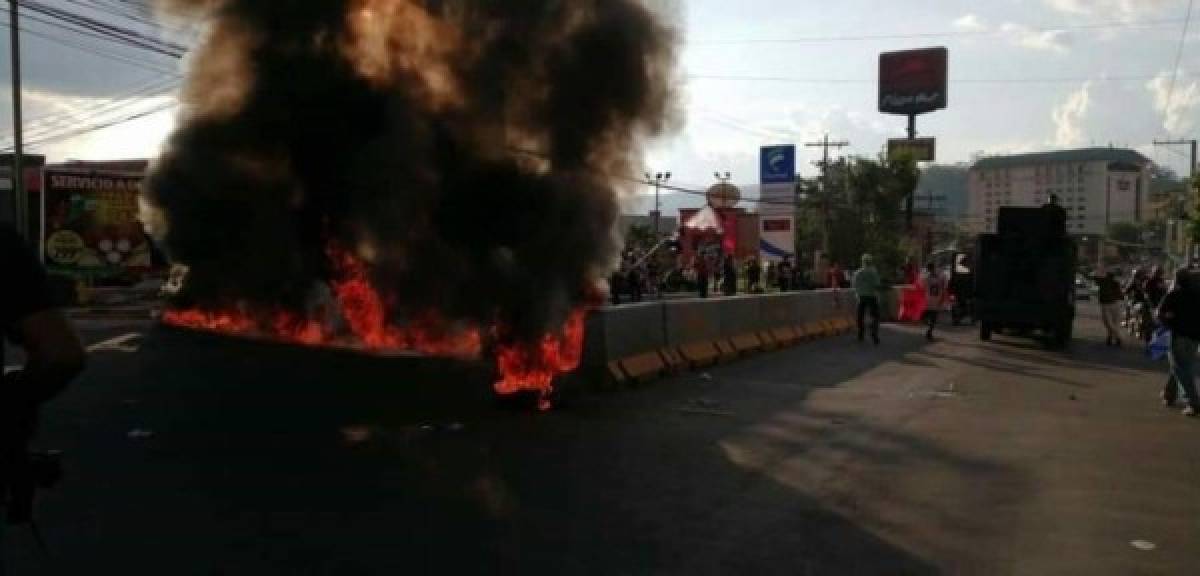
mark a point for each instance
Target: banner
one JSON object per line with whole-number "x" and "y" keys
{"x": 92, "y": 228}
{"x": 913, "y": 81}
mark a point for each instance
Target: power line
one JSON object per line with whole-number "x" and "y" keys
{"x": 814, "y": 80}
{"x": 87, "y": 26}
{"x": 944, "y": 34}
{"x": 154, "y": 87}
{"x": 95, "y": 50}
{"x": 52, "y": 123}
{"x": 94, "y": 128}
{"x": 1178, "y": 58}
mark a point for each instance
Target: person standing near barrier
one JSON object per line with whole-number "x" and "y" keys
{"x": 729, "y": 276}
{"x": 866, "y": 289}
{"x": 753, "y": 276}
{"x": 1111, "y": 301}
{"x": 702, "y": 272}
{"x": 935, "y": 297}
{"x": 1180, "y": 313}
{"x": 785, "y": 274}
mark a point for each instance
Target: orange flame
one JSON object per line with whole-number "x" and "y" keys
{"x": 522, "y": 366}
{"x": 534, "y": 367}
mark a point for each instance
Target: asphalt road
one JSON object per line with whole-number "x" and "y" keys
{"x": 199, "y": 455}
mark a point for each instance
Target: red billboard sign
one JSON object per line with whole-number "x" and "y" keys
{"x": 913, "y": 81}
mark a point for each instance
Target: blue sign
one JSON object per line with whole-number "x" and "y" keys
{"x": 777, "y": 164}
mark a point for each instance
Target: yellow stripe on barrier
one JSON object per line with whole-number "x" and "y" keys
{"x": 814, "y": 330}
{"x": 643, "y": 367}
{"x": 746, "y": 343}
{"x": 727, "y": 350}
{"x": 785, "y": 336}
{"x": 768, "y": 340}
{"x": 674, "y": 362}
{"x": 699, "y": 354}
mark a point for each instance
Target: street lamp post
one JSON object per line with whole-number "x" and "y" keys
{"x": 659, "y": 179}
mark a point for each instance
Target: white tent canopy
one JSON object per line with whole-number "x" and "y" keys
{"x": 706, "y": 220}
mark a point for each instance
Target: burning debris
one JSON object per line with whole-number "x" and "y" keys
{"x": 360, "y": 153}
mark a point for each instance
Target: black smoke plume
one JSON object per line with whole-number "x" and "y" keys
{"x": 467, "y": 150}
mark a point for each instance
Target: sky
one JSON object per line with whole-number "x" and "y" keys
{"x": 1025, "y": 75}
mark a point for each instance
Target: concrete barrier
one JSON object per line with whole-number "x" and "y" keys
{"x": 668, "y": 326}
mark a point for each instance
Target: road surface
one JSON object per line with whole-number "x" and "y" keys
{"x": 197, "y": 455}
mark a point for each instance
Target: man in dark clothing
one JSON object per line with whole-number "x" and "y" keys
{"x": 785, "y": 274}
{"x": 753, "y": 276}
{"x": 729, "y": 276}
{"x": 702, "y": 272}
{"x": 1156, "y": 288}
{"x": 1180, "y": 313}
{"x": 1109, "y": 294}
{"x": 52, "y": 351}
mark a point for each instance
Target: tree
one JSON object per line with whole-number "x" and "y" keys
{"x": 872, "y": 219}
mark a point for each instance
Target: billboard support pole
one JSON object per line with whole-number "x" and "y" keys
{"x": 908, "y": 204}
{"x": 20, "y": 200}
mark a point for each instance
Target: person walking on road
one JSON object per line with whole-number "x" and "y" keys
{"x": 1180, "y": 313}
{"x": 935, "y": 297}
{"x": 702, "y": 271}
{"x": 866, "y": 289}
{"x": 1111, "y": 302}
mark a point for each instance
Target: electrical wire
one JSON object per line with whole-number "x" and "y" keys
{"x": 1160, "y": 23}
{"x": 101, "y": 30}
{"x": 50, "y": 124}
{"x": 95, "y": 51}
{"x": 1178, "y": 59}
{"x": 985, "y": 81}
{"x": 94, "y": 128}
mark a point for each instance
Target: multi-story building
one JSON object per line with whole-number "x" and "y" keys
{"x": 1097, "y": 186}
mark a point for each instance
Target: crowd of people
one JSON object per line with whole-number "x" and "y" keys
{"x": 709, "y": 272}
{"x": 1146, "y": 307}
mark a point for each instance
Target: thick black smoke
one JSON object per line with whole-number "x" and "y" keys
{"x": 465, "y": 149}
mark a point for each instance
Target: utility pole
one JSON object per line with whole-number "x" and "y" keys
{"x": 20, "y": 200}
{"x": 660, "y": 179}
{"x": 1191, "y": 175}
{"x": 827, "y": 190}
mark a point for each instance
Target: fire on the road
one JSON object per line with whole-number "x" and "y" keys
{"x": 521, "y": 367}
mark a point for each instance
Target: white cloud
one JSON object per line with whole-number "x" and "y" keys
{"x": 1044, "y": 40}
{"x": 1069, "y": 116}
{"x": 970, "y": 23}
{"x": 1121, "y": 9}
{"x": 1179, "y": 107}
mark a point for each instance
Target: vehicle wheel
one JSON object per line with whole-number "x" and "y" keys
{"x": 985, "y": 331}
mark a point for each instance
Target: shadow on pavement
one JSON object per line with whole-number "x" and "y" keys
{"x": 201, "y": 455}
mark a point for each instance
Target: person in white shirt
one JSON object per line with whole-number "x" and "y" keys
{"x": 935, "y": 297}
